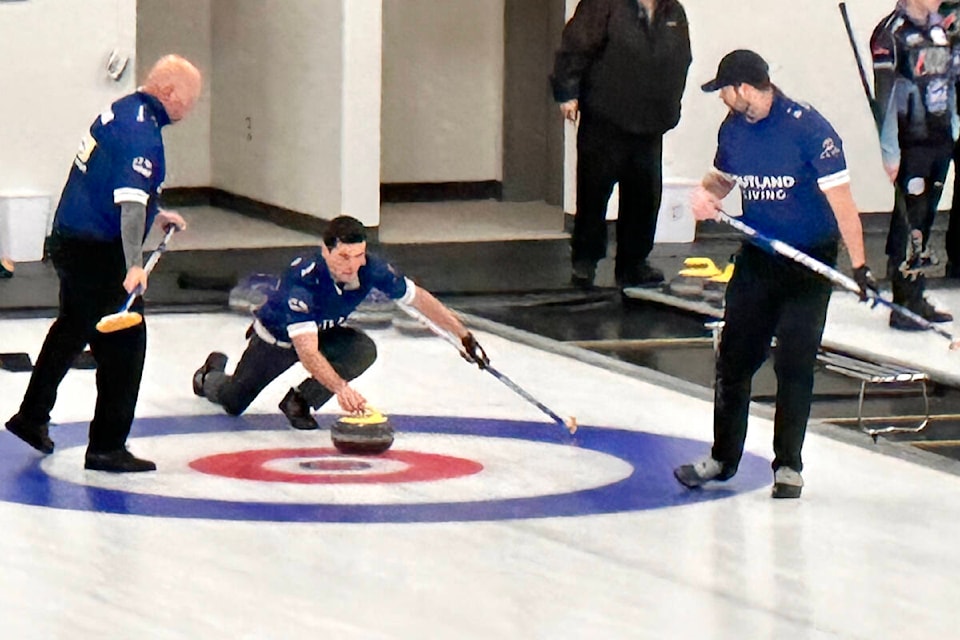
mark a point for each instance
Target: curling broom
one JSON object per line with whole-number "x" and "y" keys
{"x": 570, "y": 424}
{"x": 124, "y": 318}
{"x": 834, "y": 276}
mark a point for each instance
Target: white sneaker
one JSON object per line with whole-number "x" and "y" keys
{"x": 698, "y": 473}
{"x": 787, "y": 483}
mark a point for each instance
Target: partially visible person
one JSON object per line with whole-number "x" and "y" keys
{"x": 950, "y": 12}
{"x": 6, "y": 267}
{"x": 794, "y": 185}
{"x": 108, "y": 205}
{"x": 302, "y": 321}
{"x": 621, "y": 70}
{"x": 915, "y": 83}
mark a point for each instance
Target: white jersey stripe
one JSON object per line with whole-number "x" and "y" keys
{"x": 129, "y": 194}
{"x": 301, "y": 328}
{"x": 411, "y": 292}
{"x": 834, "y": 180}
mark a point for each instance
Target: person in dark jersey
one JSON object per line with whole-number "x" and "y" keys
{"x": 915, "y": 78}
{"x": 789, "y": 165}
{"x": 108, "y": 205}
{"x": 302, "y": 321}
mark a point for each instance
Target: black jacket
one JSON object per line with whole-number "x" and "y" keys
{"x": 623, "y": 68}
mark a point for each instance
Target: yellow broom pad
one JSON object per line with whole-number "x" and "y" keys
{"x": 119, "y": 321}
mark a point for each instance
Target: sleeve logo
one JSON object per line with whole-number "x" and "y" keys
{"x": 830, "y": 149}
{"x": 298, "y": 305}
{"x": 143, "y": 166}
{"x": 87, "y": 145}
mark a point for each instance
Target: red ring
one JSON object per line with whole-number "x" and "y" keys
{"x": 249, "y": 465}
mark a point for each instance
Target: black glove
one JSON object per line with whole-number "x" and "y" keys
{"x": 473, "y": 352}
{"x": 866, "y": 283}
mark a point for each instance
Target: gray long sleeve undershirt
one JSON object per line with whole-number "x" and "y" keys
{"x": 133, "y": 221}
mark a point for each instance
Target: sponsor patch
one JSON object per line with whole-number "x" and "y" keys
{"x": 830, "y": 149}
{"x": 143, "y": 166}
{"x": 297, "y": 305}
{"x": 87, "y": 145}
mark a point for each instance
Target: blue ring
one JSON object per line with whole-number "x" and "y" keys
{"x": 650, "y": 486}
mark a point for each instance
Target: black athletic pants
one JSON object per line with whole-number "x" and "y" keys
{"x": 769, "y": 296}
{"x": 919, "y": 187}
{"x": 349, "y": 351}
{"x": 91, "y": 276}
{"x": 607, "y": 155}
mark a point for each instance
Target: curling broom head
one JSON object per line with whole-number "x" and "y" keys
{"x": 119, "y": 321}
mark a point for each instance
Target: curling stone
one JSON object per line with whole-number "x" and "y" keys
{"x": 369, "y": 434}
{"x": 375, "y": 312}
{"x": 18, "y": 361}
{"x": 251, "y": 292}
{"x": 84, "y": 360}
{"x": 686, "y": 287}
{"x": 410, "y": 326}
{"x": 713, "y": 294}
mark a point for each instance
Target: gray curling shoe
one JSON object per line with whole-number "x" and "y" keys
{"x": 699, "y": 473}
{"x": 787, "y": 483}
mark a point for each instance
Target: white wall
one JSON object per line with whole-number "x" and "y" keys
{"x": 182, "y": 27}
{"x": 360, "y": 134}
{"x": 810, "y": 59}
{"x": 442, "y": 90}
{"x": 276, "y": 117}
{"x": 280, "y": 64}
{"x": 53, "y": 55}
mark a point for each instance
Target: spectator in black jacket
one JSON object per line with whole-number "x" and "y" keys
{"x": 622, "y": 67}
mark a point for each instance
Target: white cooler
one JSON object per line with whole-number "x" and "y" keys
{"x": 675, "y": 222}
{"x": 24, "y": 224}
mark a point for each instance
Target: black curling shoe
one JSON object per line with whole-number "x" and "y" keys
{"x": 216, "y": 361}
{"x": 117, "y": 461}
{"x": 37, "y": 436}
{"x": 295, "y": 407}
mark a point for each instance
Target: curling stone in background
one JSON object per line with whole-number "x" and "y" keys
{"x": 715, "y": 288}
{"x": 251, "y": 292}
{"x": 410, "y": 326}
{"x": 713, "y": 294}
{"x": 369, "y": 434}
{"x": 16, "y": 361}
{"x": 375, "y": 312}
{"x": 686, "y": 287}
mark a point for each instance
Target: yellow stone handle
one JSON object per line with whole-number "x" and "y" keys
{"x": 370, "y": 416}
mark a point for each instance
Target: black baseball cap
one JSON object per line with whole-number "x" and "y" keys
{"x": 738, "y": 67}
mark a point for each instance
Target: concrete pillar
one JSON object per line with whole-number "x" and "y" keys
{"x": 361, "y": 93}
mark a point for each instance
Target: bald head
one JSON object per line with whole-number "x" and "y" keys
{"x": 176, "y": 83}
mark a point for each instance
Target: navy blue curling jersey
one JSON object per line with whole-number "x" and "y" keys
{"x": 307, "y": 299}
{"x": 782, "y": 165}
{"x": 120, "y": 160}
